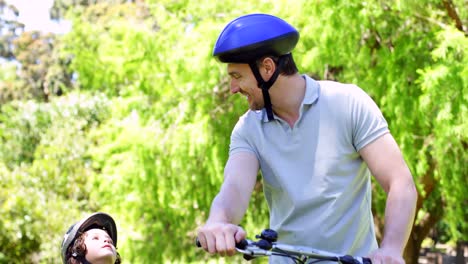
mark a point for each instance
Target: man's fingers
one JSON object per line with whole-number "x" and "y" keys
{"x": 201, "y": 241}
{"x": 221, "y": 243}
{"x": 221, "y": 238}
{"x": 230, "y": 245}
{"x": 210, "y": 243}
{"x": 239, "y": 235}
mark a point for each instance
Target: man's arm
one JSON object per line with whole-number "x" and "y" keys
{"x": 386, "y": 163}
{"x": 221, "y": 231}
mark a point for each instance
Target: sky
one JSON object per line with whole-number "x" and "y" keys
{"x": 35, "y": 15}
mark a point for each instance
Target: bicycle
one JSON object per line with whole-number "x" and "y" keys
{"x": 267, "y": 246}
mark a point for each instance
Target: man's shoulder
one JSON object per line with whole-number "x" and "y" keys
{"x": 247, "y": 129}
{"x": 333, "y": 87}
{"x": 341, "y": 92}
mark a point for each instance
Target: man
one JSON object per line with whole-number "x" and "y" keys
{"x": 316, "y": 144}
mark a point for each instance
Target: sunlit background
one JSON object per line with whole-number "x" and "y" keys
{"x": 34, "y": 14}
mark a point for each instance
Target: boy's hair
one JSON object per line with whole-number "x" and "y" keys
{"x": 79, "y": 247}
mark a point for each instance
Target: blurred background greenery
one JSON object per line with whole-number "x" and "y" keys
{"x": 129, "y": 114}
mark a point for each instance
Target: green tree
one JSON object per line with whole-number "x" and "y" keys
{"x": 45, "y": 174}
{"x": 60, "y": 8}
{"x": 40, "y": 71}
{"x": 10, "y": 28}
{"x": 34, "y": 51}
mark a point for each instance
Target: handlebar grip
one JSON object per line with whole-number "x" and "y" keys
{"x": 241, "y": 245}
{"x": 350, "y": 259}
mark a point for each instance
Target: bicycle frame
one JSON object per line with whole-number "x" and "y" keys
{"x": 299, "y": 254}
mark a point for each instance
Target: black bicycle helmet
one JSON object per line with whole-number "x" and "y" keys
{"x": 96, "y": 220}
{"x": 251, "y": 37}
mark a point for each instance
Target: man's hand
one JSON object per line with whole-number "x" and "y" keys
{"x": 220, "y": 238}
{"x": 386, "y": 256}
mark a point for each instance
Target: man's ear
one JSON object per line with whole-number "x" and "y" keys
{"x": 268, "y": 68}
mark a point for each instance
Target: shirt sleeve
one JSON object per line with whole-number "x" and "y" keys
{"x": 368, "y": 122}
{"x": 239, "y": 139}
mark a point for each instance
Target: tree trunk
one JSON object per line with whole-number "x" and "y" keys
{"x": 418, "y": 233}
{"x": 460, "y": 258}
{"x": 423, "y": 226}
{"x": 412, "y": 250}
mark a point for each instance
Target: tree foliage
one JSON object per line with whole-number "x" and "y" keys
{"x": 145, "y": 135}
{"x": 10, "y": 29}
{"x": 45, "y": 173}
{"x": 35, "y": 70}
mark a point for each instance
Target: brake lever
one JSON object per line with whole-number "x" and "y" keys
{"x": 251, "y": 250}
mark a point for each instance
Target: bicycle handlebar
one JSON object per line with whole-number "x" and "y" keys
{"x": 267, "y": 246}
{"x": 239, "y": 246}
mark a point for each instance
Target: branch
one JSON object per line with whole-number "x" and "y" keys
{"x": 450, "y": 7}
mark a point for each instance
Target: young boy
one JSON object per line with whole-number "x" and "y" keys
{"x": 92, "y": 240}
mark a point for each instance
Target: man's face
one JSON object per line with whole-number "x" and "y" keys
{"x": 100, "y": 247}
{"x": 243, "y": 81}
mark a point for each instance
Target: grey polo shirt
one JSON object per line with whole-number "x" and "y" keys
{"x": 316, "y": 184}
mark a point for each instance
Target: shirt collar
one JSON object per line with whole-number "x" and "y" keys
{"x": 310, "y": 97}
{"x": 312, "y": 90}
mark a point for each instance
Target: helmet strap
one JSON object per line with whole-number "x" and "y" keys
{"x": 266, "y": 85}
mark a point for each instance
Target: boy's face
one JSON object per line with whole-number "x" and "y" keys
{"x": 99, "y": 246}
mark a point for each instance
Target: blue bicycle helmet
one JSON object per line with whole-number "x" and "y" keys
{"x": 252, "y": 36}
